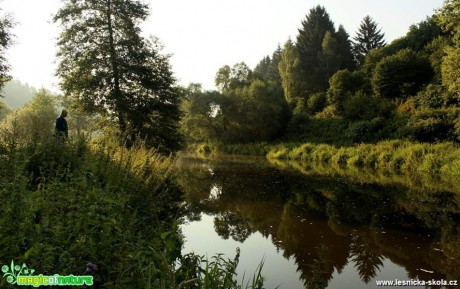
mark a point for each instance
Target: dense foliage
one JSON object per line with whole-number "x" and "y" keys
{"x": 342, "y": 92}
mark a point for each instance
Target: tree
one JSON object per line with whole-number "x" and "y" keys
{"x": 4, "y": 110}
{"x": 207, "y": 116}
{"x": 423, "y": 33}
{"x": 450, "y": 70}
{"x": 329, "y": 54}
{"x": 367, "y": 38}
{"x": 32, "y": 123}
{"x": 448, "y": 18}
{"x": 17, "y": 94}
{"x": 310, "y": 45}
{"x": 262, "y": 68}
{"x": 273, "y": 71}
{"x": 263, "y": 112}
{"x": 290, "y": 73}
{"x": 230, "y": 78}
{"x": 345, "y": 49}
{"x": 6, "y": 24}
{"x": 109, "y": 68}
{"x": 222, "y": 79}
{"x": 342, "y": 85}
{"x": 401, "y": 74}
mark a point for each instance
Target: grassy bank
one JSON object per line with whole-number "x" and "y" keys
{"x": 389, "y": 156}
{"x": 64, "y": 206}
{"x": 395, "y": 156}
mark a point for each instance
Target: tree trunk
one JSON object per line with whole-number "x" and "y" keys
{"x": 116, "y": 93}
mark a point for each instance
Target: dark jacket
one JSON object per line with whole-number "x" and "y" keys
{"x": 61, "y": 126}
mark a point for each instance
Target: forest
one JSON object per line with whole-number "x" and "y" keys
{"x": 325, "y": 97}
{"x": 326, "y": 87}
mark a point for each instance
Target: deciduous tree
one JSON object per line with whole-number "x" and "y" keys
{"x": 290, "y": 73}
{"x": 108, "y": 67}
{"x": 6, "y": 24}
{"x": 401, "y": 74}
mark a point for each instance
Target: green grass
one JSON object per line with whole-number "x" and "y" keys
{"x": 66, "y": 205}
{"x": 391, "y": 156}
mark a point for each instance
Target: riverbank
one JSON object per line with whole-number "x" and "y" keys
{"x": 391, "y": 156}
{"x": 87, "y": 202}
{"x": 395, "y": 156}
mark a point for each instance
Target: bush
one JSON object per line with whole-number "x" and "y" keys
{"x": 323, "y": 153}
{"x": 433, "y": 125}
{"x": 364, "y": 107}
{"x": 343, "y": 84}
{"x": 457, "y": 128}
{"x": 433, "y": 96}
{"x": 316, "y": 102}
{"x": 401, "y": 75}
{"x": 365, "y": 131}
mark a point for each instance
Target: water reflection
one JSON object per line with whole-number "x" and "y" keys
{"x": 326, "y": 223}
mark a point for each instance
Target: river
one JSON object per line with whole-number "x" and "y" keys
{"x": 319, "y": 230}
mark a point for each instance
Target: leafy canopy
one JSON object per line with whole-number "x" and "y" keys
{"x": 109, "y": 68}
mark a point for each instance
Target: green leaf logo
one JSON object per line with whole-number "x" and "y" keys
{"x": 14, "y": 271}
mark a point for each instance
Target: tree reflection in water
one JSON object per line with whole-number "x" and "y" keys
{"x": 367, "y": 257}
{"x": 326, "y": 222}
{"x": 229, "y": 224}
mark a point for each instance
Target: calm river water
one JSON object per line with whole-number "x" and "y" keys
{"x": 316, "y": 229}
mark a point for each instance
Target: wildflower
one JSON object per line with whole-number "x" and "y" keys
{"x": 90, "y": 267}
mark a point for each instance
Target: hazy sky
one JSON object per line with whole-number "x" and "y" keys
{"x": 203, "y": 35}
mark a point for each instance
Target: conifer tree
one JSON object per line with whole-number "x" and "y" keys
{"x": 345, "y": 49}
{"x": 368, "y": 37}
{"x": 310, "y": 45}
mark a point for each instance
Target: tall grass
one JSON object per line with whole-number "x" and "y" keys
{"x": 428, "y": 166}
{"x": 65, "y": 205}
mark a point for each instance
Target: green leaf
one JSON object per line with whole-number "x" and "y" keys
{"x": 165, "y": 235}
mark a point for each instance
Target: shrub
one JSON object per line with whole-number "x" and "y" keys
{"x": 366, "y": 130}
{"x": 433, "y": 125}
{"x": 433, "y": 96}
{"x": 364, "y": 107}
{"x": 316, "y": 102}
{"x": 343, "y": 84}
{"x": 401, "y": 75}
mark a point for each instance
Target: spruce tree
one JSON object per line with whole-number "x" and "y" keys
{"x": 345, "y": 49}
{"x": 367, "y": 38}
{"x": 309, "y": 45}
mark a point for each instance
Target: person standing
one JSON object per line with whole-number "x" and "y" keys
{"x": 62, "y": 130}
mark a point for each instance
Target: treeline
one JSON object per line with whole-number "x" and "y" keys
{"x": 326, "y": 87}
{"x": 16, "y": 94}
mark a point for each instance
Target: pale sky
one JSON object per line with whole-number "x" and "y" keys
{"x": 203, "y": 35}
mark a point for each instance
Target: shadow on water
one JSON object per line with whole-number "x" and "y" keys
{"x": 324, "y": 221}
